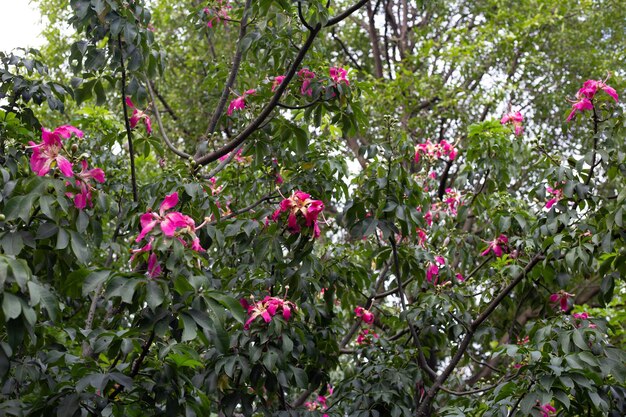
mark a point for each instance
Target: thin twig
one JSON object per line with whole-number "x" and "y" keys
{"x": 157, "y": 115}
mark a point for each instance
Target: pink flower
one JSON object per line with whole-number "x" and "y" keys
{"x": 154, "y": 269}
{"x": 453, "y": 200}
{"x": 499, "y": 245}
{"x": 516, "y": 120}
{"x": 432, "y": 269}
{"x": 267, "y": 309}
{"x": 217, "y": 14}
{"x": 240, "y": 102}
{"x": 306, "y": 76}
{"x": 435, "y": 150}
{"x": 47, "y": 154}
{"x": 365, "y": 337}
{"x": 558, "y": 195}
{"x": 422, "y": 237}
{"x": 83, "y": 185}
{"x": 560, "y": 298}
{"x": 301, "y": 209}
{"x": 582, "y": 104}
{"x": 139, "y": 115}
{"x": 547, "y": 410}
{"x": 172, "y": 224}
{"x": 586, "y": 94}
{"x": 338, "y": 75}
{"x": 460, "y": 277}
{"x": 365, "y": 315}
{"x": 581, "y": 316}
{"x": 278, "y": 80}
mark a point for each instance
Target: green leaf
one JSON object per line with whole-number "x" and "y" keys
{"x": 189, "y": 328}
{"x": 79, "y": 247}
{"x": 93, "y": 280}
{"x": 231, "y": 305}
{"x": 154, "y": 295}
{"x": 11, "y": 306}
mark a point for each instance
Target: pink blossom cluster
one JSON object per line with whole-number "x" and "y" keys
{"x": 364, "y": 314}
{"x": 172, "y": 224}
{"x": 434, "y": 151}
{"x": 515, "y": 119}
{"x": 585, "y": 96}
{"x": 499, "y": 246}
{"x": 561, "y": 299}
{"x": 240, "y": 102}
{"x": 557, "y": 195}
{"x": 365, "y": 336}
{"x": 338, "y": 75}
{"x": 217, "y": 13}
{"x": 547, "y": 410}
{"x": 320, "y": 403}
{"x": 579, "y": 317}
{"x": 267, "y": 309}
{"x": 306, "y": 76}
{"x": 51, "y": 153}
{"x": 432, "y": 269}
{"x": 238, "y": 157}
{"x": 137, "y": 116}
{"x": 302, "y": 211}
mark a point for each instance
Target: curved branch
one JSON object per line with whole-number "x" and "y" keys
{"x": 252, "y": 127}
{"x": 157, "y": 115}
{"x": 245, "y": 209}
{"x": 301, "y": 16}
{"x": 346, "y": 13}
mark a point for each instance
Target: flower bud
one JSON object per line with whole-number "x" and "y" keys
{"x": 74, "y": 147}
{"x": 2, "y": 217}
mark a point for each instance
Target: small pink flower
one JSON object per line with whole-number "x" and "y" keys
{"x": 460, "y": 277}
{"x": 452, "y": 200}
{"x": 217, "y": 14}
{"x": 499, "y": 245}
{"x": 586, "y": 94}
{"x": 434, "y": 151}
{"x": 240, "y": 102}
{"x": 267, "y": 309}
{"x": 47, "y": 154}
{"x": 547, "y": 410}
{"x": 422, "y": 237}
{"x": 561, "y": 298}
{"x": 338, "y": 75}
{"x": 514, "y": 119}
{"x": 83, "y": 185}
{"x": 306, "y": 76}
{"x": 432, "y": 269}
{"x": 278, "y": 80}
{"x": 365, "y": 315}
{"x": 558, "y": 195}
{"x": 154, "y": 269}
{"x": 300, "y": 209}
{"x": 139, "y": 115}
{"x": 365, "y": 337}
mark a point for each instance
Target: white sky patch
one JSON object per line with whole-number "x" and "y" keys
{"x": 20, "y": 25}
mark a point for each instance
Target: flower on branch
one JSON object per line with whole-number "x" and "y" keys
{"x": 217, "y": 13}
{"x": 83, "y": 195}
{"x": 139, "y": 115}
{"x": 547, "y": 410}
{"x": 514, "y": 119}
{"x": 499, "y": 246}
{"x": 434, "y": 151}
{"x": 302, "y": 212}
{"x": 278, "y": 80}
{"x": 365, "y": 315}
{"x": 432, "y": 269}
{"x": 240, "y": 102}
{"x": 586, "y": 94}
{"x": 366, "y": 336}
{"x": 561, "y": 299}
{"x": 47, "y": 154}
{"x": 267, "y": 309}
{"x": 306, "y": 76}
{"x": 557, "y": 193}
{"x": 338, "y": 75}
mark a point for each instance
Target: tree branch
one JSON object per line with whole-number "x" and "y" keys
{"x": 131, "y": 151}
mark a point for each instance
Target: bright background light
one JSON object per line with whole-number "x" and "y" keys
{"x": 20, "y": 25}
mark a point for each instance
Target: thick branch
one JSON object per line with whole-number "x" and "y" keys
{"x": 131, "y": 151}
